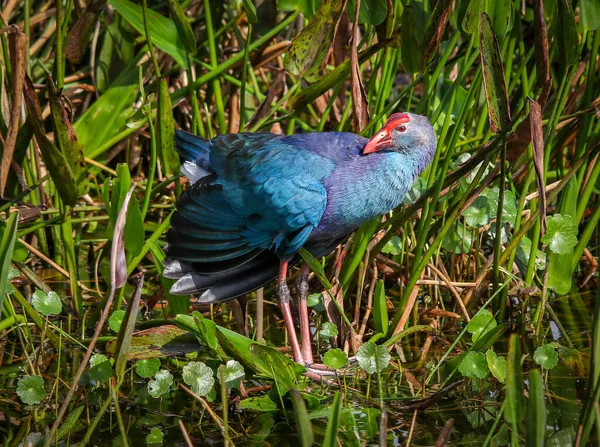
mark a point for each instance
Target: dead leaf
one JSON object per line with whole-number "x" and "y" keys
{"x": 359, "y": 97}
{"x": 541, "y": 46}
{"x": 274, "y": 92}
{"x": 518, "y": 141}
{"x": 55, "y": 161}
{"x": 494, "y": 82}
{"x": 310, "y": 49}
{"x": 158, "y": 342}
{"x": 118, "y": 263}
{"x": 79, "y": 35}
{"x": 17, "y": 44}
{"x": 535, "y": 120}
{"x": 435, "y": 30}
{"x": 65, "y": 137}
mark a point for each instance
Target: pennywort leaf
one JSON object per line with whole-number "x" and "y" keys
{"x": 546, "y": 356}
{"x": 155, "y": 436}
{"x": 561, "y": 233}
{"x": 115, "y": 320}
{"x": 328, "y": 330}
{"x": 31, "y": 389}
{"x": 161, "y": 384}
{"x": 393, "y": 247}
{"x": 100, "y": 368}
{"x": 474, "y": 365}
{"x": 233, "y": 373}
{"x": 373, "y": 358}
{"x": 147, "y": 368}
{"x": 481, "y": 323}
{"x": 335, "y": 358}
{"x": 199, "y": 377}
{"x": 497, "y": 365}
{"x": 46, "y": 303}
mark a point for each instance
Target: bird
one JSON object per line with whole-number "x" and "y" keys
{"x": 257, "y": 198}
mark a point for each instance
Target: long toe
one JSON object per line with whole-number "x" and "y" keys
{"x": 324, "y": 371}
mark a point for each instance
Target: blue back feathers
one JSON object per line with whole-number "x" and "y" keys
{"x": 266, "y": 191}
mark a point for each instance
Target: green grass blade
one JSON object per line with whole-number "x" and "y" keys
{"x": 71, "y": 262}
{"x": 380, "y": 312}
{"x": 165, "y": 131}
{"x": 7, "y": 245}
{"x": 566, "y": 28}
{"x": 333, "y": 423}
{"x": 126, "y": 331}
{"x": 513, "y": 413}
{"x": 305, "y": 430}
{"x": 359, "y": 246}
{"x": 108, "y": 116}
{"x": 162, "y": 29}
{"x": 183, "y": 27}
{"x": 536, "y": 420}
{"x": 493, "y": 77}
{"x": 316, "y": 267}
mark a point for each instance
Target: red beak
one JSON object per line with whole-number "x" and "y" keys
{"x": 378, "y": 141}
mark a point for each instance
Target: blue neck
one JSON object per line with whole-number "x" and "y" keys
{"x": 368, "y": 186}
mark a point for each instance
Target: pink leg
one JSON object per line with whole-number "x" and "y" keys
{"x": 283, "y": 293}
{"x": 302, "y": 289}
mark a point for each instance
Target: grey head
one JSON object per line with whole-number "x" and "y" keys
{"x": 407, "y": 133}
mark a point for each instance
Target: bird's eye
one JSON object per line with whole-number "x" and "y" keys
{"x": 402, "y": 128}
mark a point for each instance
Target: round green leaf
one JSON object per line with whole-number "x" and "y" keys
{"x": 100, "y": 368}
{"x": 315, "y": 300}
{"x": 458, "y": 240}
{"x": 199, "y": 377}
{"x": 97, "y": 359}
{"x": 147, "y": 368}
{"x": 335, "y": 358}
{"x": 46, "y": 304}
{"x": 481, "y": 323}
{"x": 561, "y": 234}
{"x": 501, "y": 438}
{"x": 328, "y": 330}
{"x": 546, "y": 356}
{"x": 155, "y": 436}
{"x": 12, "y": 274}
{"x": 373, "y": 358}
{"x": 393, "y": 247}
{"x": 115, "y": 320}
{"x": 161, "y": 384}
{"x": 497, "y": 365}
{"x": 524, "y": 252}
{"x": 31, "y": 389}
{"x": 233, "y": 373}
{"x": 474, "y": 365}
{"x": 35, "y": 439}
{"x": 480, "y": 213}
{"x": 20, "y": 252}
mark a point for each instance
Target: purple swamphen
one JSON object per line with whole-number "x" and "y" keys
{"x": 257, "y": 198}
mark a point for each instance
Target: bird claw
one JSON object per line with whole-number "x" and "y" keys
{"x": 320, "y": 370}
